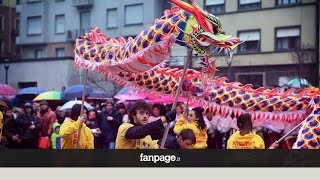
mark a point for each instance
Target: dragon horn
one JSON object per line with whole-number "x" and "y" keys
{"x": 197, "y": 12}
{"x": 184, "y": 6}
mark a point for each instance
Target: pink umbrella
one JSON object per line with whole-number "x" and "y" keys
{"x": 7, "y": 91}
{"x": 159, "y": 101}
{"x": 166, "y": 98}
{"x": 194, "y": 104}
{"x": 129, "y": 95}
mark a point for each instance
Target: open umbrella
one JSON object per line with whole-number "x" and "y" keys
{"x": 50, "y": 95}
{"x": 99, "y": 95}
{"x": 298, "y": 83}
{"x": 31, "y": 90}
{"x": 7, "y": 91}
{"x": 69, "y": 105}
{"x": 129, "y": 95}
{"x": 159, "y": 101}
{"x": 75, "y": 91}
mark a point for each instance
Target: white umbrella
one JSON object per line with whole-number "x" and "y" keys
{"x": 297, "y": 83}
{"x": 69, "y": 105}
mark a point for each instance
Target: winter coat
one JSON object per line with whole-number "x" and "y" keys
{"x": 108, "y": 128}
{"x": 47, "y": 119}
{"x": 29, "y": 137}
{"x": 171, "y": 142}
{"x": 10, "y": 129}
{"x": 55, "y": 137}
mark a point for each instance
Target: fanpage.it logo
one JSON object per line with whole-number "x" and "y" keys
{"x": 158, "y": 158}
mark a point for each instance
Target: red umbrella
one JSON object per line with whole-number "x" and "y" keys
{"x": 7, "y": 91}
{"x": 129, "y": 95}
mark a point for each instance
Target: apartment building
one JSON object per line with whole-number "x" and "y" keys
{"x": 50, "y": 27}
{"x": 281, "y": 39}
{"x": 7, "y": 29}
{"x": 274, "y": 32}
{"x": 48, "y": 30}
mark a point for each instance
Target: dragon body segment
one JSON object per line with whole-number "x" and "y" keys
{"x": 150, "y": 47}
{"x": 139, "y": 64}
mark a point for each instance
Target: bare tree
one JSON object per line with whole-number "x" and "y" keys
{"x": 102, "y": 83}
{"x": 303, "y": 57}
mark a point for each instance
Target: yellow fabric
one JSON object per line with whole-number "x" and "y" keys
{"x": 201, "y": 135}
{"x": 123, "y": 143}
{"x": 1, "y": 124}
{"x": 69, "y": 135}
{"x": 248, "y": 141}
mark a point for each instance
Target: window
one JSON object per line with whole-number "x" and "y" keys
{"x": 176, "y": 61}
{"x": 31, "y": 1}
{"x": 38, "y": 53}
{"x": 1, "y": 2}
{"x": 59, "y": 52}
{"x": 22, "y": 85}
{"x": 287, "y": 38}
{"x": 214, "y": 6}
{"x": 256, "y": 79}
{"x": 1, "y": 47}
{"x": 249, "y": 4}
{"x": 133, "y": 14}
{"x": 34, "y": 25}
{"x": 1, "y": 23}
{"x": 60, "y": 24}
{"x": 84, "y": 22}
{"x": 112, "y": 18}
{"x": 17, "y": 2}
{"x": 287, "y": 2}
{"x": 252, "y": 41}
{"x": 17, "y": 23}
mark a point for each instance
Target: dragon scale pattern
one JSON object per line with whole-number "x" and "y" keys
{"x": 139, "y": 64}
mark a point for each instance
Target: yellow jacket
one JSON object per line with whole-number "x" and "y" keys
{"x": 248, "y": 141}
{"x": 201, "y": 135}
{"x": 69, "y": 135}
{"x": 123, "y": 143}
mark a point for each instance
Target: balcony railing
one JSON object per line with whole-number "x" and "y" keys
{"x": 75, "y": 33}
{"x": 82, "y": 3}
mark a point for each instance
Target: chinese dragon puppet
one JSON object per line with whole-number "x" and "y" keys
{"x": 139, "y": 63}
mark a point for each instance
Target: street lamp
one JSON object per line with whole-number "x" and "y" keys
{"x": 6, "y": 67}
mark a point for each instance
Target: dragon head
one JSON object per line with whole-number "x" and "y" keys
{"x": 206, "y": 34}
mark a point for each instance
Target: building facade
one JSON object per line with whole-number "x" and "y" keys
{"x": 7, "y": 29}
{"x": 276, "y": 34}
{"x": 281, "y": 40}
{"x": 49, "y": 28}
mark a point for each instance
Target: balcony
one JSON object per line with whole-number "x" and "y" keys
{"x": 75, "y": 33}
{"x": 82, "y": 3}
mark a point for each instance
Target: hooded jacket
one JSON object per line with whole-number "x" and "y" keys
{"x": 24, "y": 121}
{"x": 55, "y": 137}
{"x": 69, "y": 135}
{"x": 248, "y": 141}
